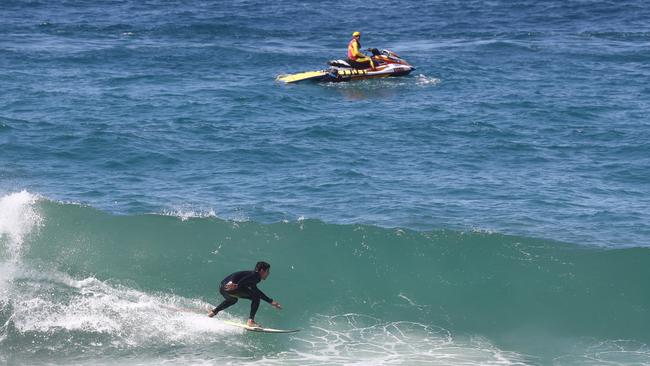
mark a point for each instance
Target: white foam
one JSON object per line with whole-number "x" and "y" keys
{"x": 188, "y": 213}
{"x": 52, "y": 302}
{"x": 185, "y": 214}
{"x": 611, "y": 352}
{"x": 18, "y": 217}
{"x": 119, "y": 317}
{"x": 354, "y": 339}
{"x": 423, "y": 80}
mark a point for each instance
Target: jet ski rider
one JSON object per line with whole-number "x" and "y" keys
{"x": 357, "y": 59}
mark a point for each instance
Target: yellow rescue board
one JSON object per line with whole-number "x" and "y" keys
{"x": 292, "y": 78}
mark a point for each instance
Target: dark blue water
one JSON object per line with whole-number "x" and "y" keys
{"x": 523, "y": 118}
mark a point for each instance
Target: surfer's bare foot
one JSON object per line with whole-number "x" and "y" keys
{"x": 211, "y": 314}
{"x": 251, "y": 323}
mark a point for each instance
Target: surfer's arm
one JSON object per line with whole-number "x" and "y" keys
{"x": 262, "y": 295}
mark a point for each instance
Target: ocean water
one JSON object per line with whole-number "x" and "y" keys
{"x": 491, "y": 208}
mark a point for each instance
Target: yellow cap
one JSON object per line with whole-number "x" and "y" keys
{"x": 356, "y": 34}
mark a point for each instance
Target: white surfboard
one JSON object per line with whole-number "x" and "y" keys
{"x": 260, "y": 329}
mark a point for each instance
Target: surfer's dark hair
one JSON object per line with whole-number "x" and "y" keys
{"x": 262, "y": 265}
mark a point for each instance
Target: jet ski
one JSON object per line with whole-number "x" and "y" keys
{"x": 387, "y": 63}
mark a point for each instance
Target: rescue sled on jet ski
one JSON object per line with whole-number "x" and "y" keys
{"x": 387, "y": 63}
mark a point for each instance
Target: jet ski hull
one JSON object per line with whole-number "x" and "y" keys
{"x": 387, "y": 63}
{"x": 335, "y": 75}
{"x": 344, "y": 74}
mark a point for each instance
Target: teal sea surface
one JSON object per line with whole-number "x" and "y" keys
{"x": 490, "y": 208}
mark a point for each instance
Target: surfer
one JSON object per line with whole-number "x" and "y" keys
{"x": 243, "y": 285}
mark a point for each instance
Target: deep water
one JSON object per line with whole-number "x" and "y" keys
{"x": 490, "y": 208}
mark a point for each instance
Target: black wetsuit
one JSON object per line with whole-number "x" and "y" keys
{"x": 246, "y": 289}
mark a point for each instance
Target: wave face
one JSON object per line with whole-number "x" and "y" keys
{"x": 523, "y": 117}
{"x": 84, "y": 286}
